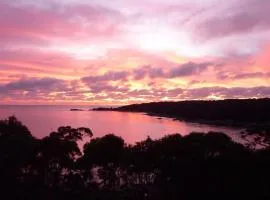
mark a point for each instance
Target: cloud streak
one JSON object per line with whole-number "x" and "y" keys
{"x": 184, "y": 70}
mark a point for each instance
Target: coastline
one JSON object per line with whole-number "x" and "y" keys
{"x": 231, "y": 113}
{"x": 218, "y": 123}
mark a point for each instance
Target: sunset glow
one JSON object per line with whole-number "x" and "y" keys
{"x": 120, "y": 52}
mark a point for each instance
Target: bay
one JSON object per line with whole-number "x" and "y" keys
{"x": 132, "y": 127}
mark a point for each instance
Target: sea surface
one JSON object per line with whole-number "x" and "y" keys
{"x": 132, "y": 127}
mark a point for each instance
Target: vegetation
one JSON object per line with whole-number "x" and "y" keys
{"x": 196, "y": 166}
{"x": 230, "y": 112}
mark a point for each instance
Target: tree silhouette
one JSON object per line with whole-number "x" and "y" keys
{"x": 17, "y": 147}
{"x": 105, "y": 154}
{"x": 196, "y": 166}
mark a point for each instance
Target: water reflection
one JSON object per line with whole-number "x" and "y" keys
{"x": 133, "y": 127}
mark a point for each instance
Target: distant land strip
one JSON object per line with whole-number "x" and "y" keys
{"x": 229, "y": 112}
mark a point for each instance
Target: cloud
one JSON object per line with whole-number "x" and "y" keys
{"x": 187, "y": 94}
{"x": 44, "y": 84}
{"x": 224, "y": 93}
{"x": 237, "y": 17}
{"x": 48, "y": 89}
{"x": 214, "y": 93}
{"x": 189, "y": 69}
{"x": 37, "y": 26}
{"x": 35, "y": 57}
{"x": 37, "y": 89}
{"x": 224, "y": 76}
{"x": 147, "y": 71}
{"x": 109, "y": 76}
{"x": 101, "y": 87}
{"x": 124, "y": 50}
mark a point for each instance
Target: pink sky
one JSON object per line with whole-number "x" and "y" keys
{"x": 120, "y": 52}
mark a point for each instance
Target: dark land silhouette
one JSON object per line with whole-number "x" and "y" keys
{"x": 76, "y": 109}
{"x": 196, "y": 166}
{"x": 229, "y": 112}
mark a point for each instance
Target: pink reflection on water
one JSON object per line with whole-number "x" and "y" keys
{"x": 132, "y": 127}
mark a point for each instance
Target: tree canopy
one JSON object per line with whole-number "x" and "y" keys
{"x": 196, "y": 166}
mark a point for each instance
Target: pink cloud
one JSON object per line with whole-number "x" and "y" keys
{"x": 29, "y": 24}
{"x": 239, "y": 17}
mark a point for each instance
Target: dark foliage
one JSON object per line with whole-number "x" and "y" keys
{"x": 196, "y": 166}
{"x": 232, "y": 112}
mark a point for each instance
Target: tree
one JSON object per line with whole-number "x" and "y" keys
{"x": 58, "y": 152}
{"x": 17, "y": 148}
{"x": 105, "y": 155}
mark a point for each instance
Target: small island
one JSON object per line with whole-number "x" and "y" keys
{"x": 76, "y": 109}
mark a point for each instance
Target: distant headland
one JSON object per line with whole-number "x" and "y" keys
{"x": 229, "y": 112}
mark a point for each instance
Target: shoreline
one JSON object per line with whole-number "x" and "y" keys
{"x": 225, "y": 124}
{"x": 233, "y": 113}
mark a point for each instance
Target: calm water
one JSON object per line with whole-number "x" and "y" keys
{"x": 133, "y": 127}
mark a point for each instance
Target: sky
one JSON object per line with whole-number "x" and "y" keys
{"x": 114, "y": 52}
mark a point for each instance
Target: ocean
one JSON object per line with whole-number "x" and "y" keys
{"x": 132, "y": 127}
